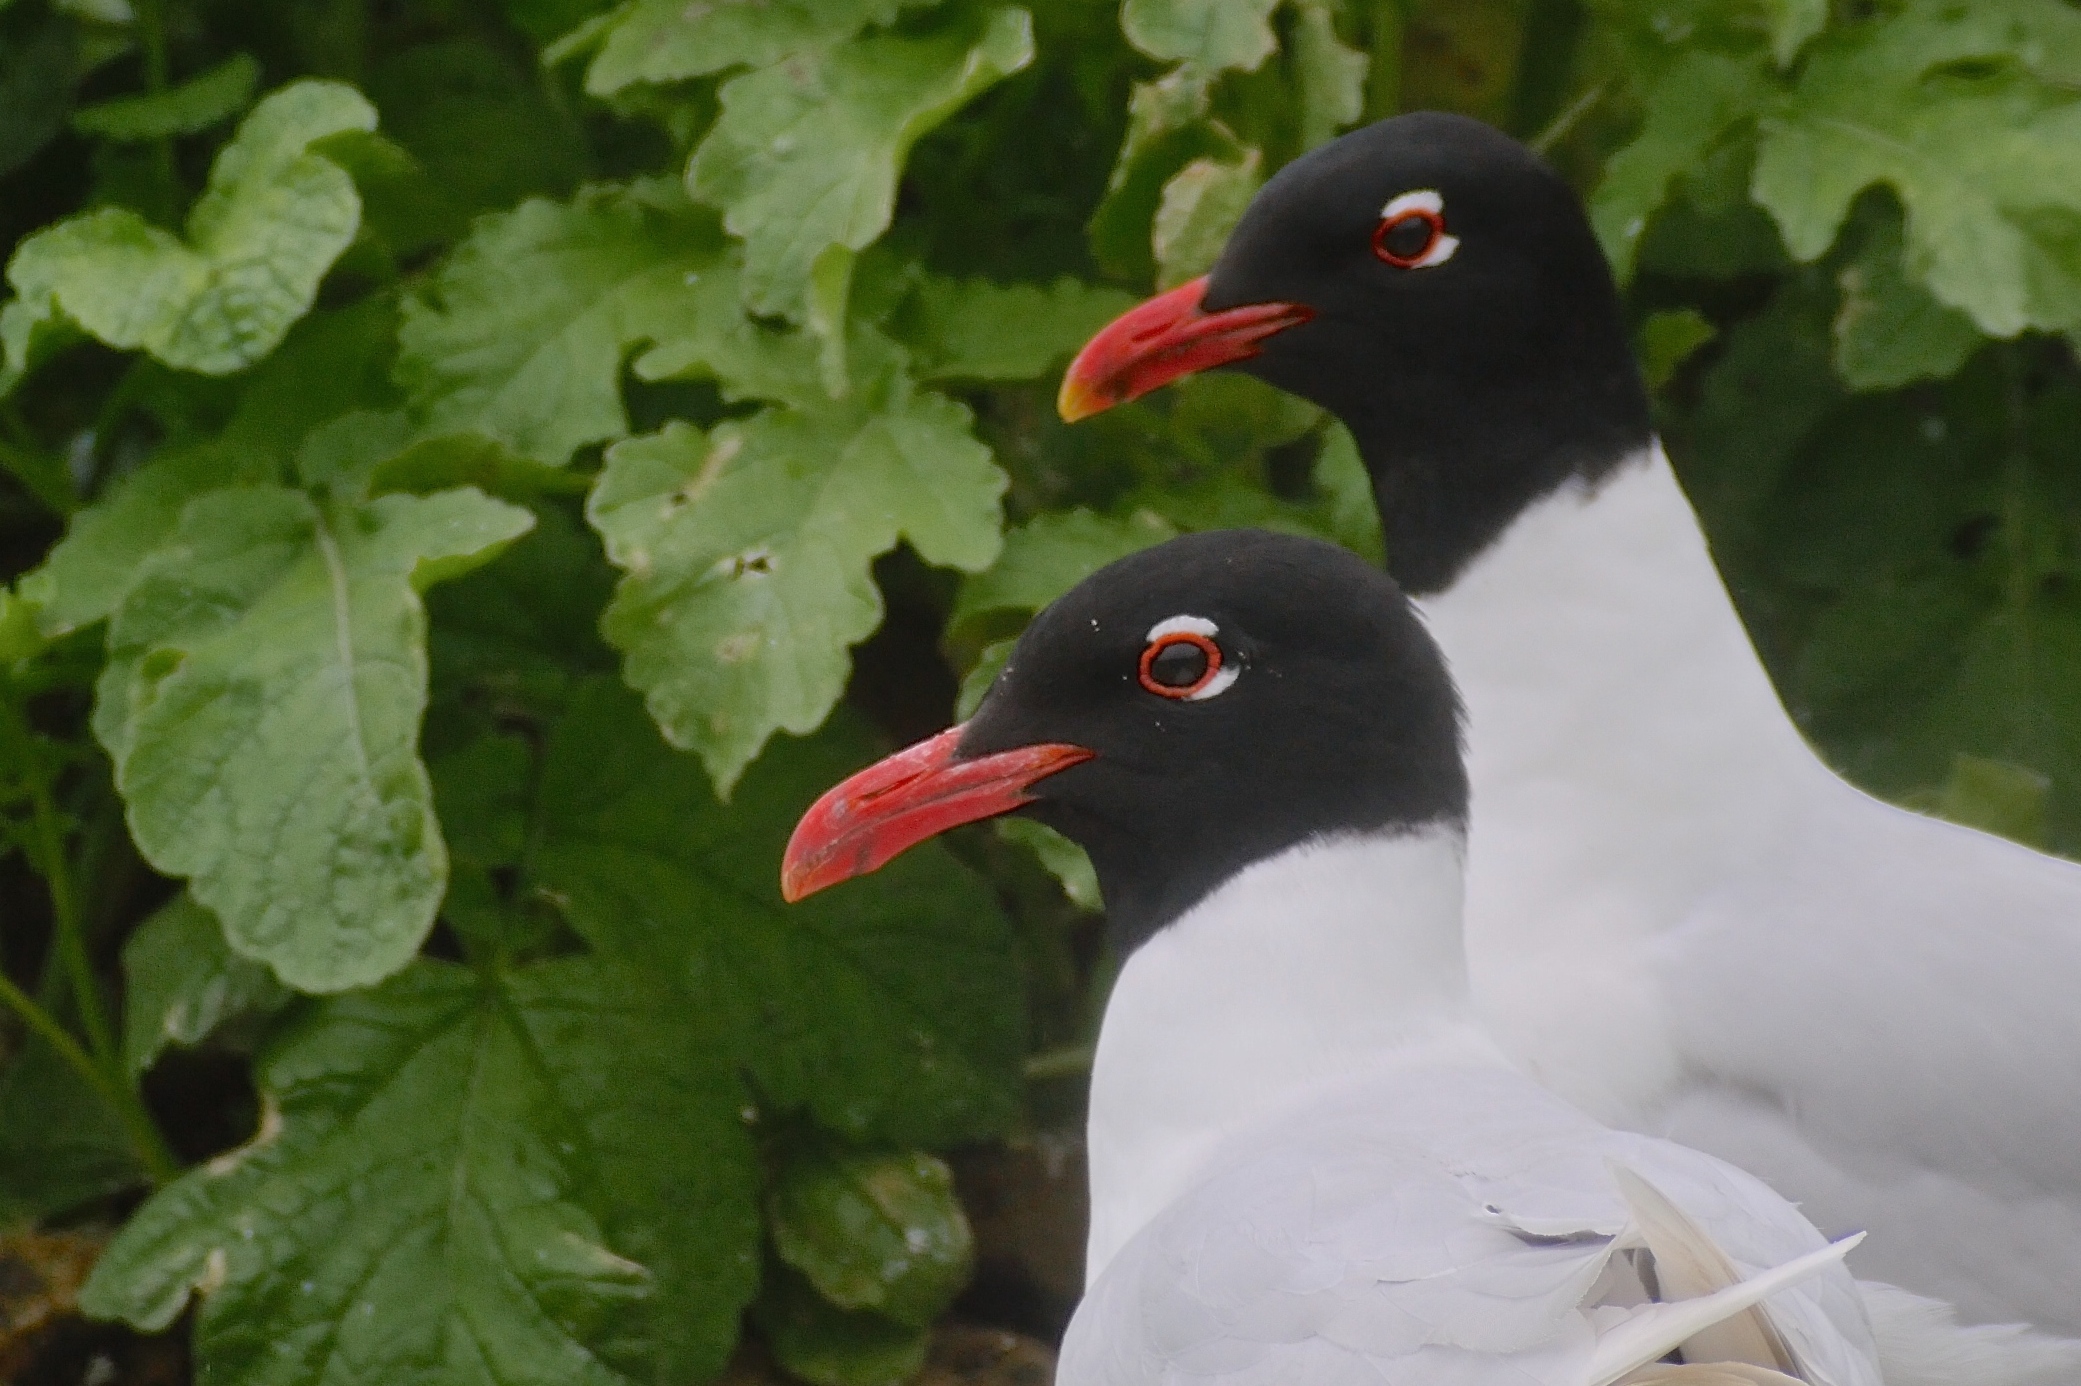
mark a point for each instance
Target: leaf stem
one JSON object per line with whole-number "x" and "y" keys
{"x": 1558, "y": 128}
{"x": 151, "y": 28}
{"x": 1065, "y": 1062}
{"x": 159, "y": 1162}
{"x": 72, "y": 948}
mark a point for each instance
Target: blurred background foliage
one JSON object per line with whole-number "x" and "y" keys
{"x": 471, "y": 472}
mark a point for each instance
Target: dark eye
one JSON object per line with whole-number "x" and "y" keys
{"x": 1180, "y": 665}
{"x": 1406, "y": 239}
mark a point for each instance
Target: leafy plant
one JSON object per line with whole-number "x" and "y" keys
{"x": 471, "y": 473}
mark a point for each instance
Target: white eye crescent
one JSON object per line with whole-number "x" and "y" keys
{"x": 1181, "y": 660}
{"x": 1411, "y": 233}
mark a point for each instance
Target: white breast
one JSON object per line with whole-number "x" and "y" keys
{"x": 1292, "y": 977}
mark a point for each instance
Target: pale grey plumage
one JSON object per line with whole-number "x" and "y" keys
{"x": 1429, "y": 1226}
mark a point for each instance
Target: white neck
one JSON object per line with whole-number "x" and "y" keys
{"x": 1331, "y": 960}
{"x": 1626, "y": 752}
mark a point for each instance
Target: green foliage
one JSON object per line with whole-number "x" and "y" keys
{"x": 452, "y": 1177}
{"x": 879, "y": 1232}
{"x": 265, "y": 682}
{"x": 185, "y": 981}
{"x": 804, "y": 156}
{"x": 273, "y": 219}
{"x": 193, "y": 106}
{"x": 522, "y": 334}
{"x": 398, "y": 484}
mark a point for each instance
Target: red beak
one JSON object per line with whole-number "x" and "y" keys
{"x": 1154, "y": 343}
{"x": 893, "y": 805}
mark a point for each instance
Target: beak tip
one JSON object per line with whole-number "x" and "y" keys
{"x": 1077, "y": 400}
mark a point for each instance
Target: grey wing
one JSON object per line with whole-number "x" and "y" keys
{"x": 1370, "y": 1265}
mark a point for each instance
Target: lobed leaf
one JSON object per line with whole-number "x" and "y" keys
{"x": 747, "y": 552}
{"x": 522, "y": 335}
{"x": 1212, "y": 35}
{"x": 804, "y": 158}
{"x": 956, "y": 329}
{"x": 891, "y": 1009}
{"x": 670, "y": 40}
{"x": 1050, "y": 554}
{"x": 266, "y": 677}
{"x": 1987, "y": 165}
{"x": 1700, "y": 97}
{"x": 518, "y": 1176}
{"x": 273, "y": 219}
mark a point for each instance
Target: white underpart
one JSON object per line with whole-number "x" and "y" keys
{"x": 1219, "y": 1021}
{"x": 1310, "y": 1165}
{"x": 1680, "y": 920}
{"x": 1424, "y": 200}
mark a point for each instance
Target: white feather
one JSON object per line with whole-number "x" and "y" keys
{"x": 1653, "y": 1331}
{"x": 1921, "y": 1343}
{"x": 1309, "y": 1164}
{"x": 1681, "y": 920}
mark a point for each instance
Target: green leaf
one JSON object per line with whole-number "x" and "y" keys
{"x": 274, "y": 218}
{"x": 1792, "y": 23}
{"x": 60, "y": 1146}
{"x": 1212, "y": 35}
{"x": 1667, "y": 340}
{"x": 873, "y": 1231}
{"x": 824, "y": 1345}
{"x": 194, "y": 105}
{"x": 1064, "y": 860}
{"x": 747, "y": 555}
{"x": 806, "y": 153}
{"x": 19, "y": 638}
{"x": 1986, "y": 164}
{"x": 1889, "y": 332}
{"x": 522, "y": 630}
{"x": 1995, "y": 798}
{"x": 890, "y": 1009}
{"x": 182, "y": 981}
{"x": 1330, "y": 75}
{"x": 544, "y": 20}
{"x": 266, "y": 676}
{"x": 1201, "y": 204}
{"x": 39, "y": 71}
{"x": 31, "y": 332}
{"x": 1050, "y": 554}
{"x": 956, "y": 329}
{"x": 670, "y": 40}
{"x": 1700, "y": 97}
{"x": 330, "y": 363}
{"x": 1342, "y": 478}
{"x": 513, "y": 1177}
{"x": 1167, "y": 128}
{"x": 480, "y": 123}
{"x": 522, "y": 335}
{"x": 989, "y": 663}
